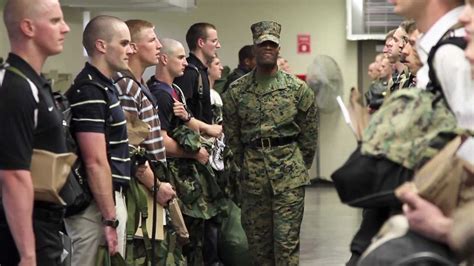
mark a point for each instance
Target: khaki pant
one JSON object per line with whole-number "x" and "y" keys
{"x": 87, "y": 232}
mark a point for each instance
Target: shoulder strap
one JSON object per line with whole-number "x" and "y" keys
{"x": 93, "y": 83}
{"x": 448, "y": 38}
{"x": 200, "y": 88}
{"x": 200, "y": 84}
{"x": 33, "y": 88}
{"x": 180, "y": 94}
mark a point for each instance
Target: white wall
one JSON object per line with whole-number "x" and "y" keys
{"x": 324, "y": 20}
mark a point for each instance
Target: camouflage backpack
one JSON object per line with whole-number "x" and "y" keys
{"x": 413, "y": 125}
{"x": 406, "y": 127}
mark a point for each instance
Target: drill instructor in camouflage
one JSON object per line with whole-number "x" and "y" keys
{"x": 271, "y": 125}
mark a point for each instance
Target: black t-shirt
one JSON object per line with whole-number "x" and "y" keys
{"x": 89, "y": 114}
{"x": 162, "y": 94}
{"x": 27, "y": 123}
{"x": 189, "y": 84}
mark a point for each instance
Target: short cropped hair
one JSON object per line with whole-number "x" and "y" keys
{"x": 246, "y": 52}
{"x": 408, "y": 26}
{"x": 197, "y": 31}
{"x": 135, "y": 26}
{"x": 98, "y": 28}
{"x": 390, "y": 35}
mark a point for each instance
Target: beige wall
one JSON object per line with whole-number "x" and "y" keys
{"x": 323, "y": 20}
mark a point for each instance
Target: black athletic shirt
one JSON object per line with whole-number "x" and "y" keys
{"x": 88, "y": 106}
{"x": 189, "y": 83}
{"x": 18, "y": 134}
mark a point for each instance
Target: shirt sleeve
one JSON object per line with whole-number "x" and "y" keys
{"x": 232, "y": 125}
{"x": 165, "y": 110}
{"x": 17, "y": 116}
{"x": 88, "y": 111}
{"x": 307, "y": 120}
{"x": 129, "y": 96}
{"x": 454, "y": 74}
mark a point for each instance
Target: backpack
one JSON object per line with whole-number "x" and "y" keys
{"x": 76, "y": 192}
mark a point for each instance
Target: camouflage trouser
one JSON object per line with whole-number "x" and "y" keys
{"x": 272, "y": 224}
{"x": 193, "y": 250}
{"x": 169, "y": 251}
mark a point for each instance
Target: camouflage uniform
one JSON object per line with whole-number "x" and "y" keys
{"x": 398, "y": 81}
{"x": 279, "y": 110}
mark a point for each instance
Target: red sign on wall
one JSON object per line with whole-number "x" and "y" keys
{"x": 303, "y": 44}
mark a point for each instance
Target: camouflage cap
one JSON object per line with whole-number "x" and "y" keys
{"x": 266, "y": 31}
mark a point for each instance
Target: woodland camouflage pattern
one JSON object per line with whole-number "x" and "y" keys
{"x": 286, "y": 108}
{"x": 408, "y": 130}
{"x": 273, "y": 178}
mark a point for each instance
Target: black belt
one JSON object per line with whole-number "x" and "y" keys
{"x": 270, "y": 142}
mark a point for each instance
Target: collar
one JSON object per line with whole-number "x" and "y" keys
{"x": 434, "y": 34}
{"x": 155, "y": 83}
{"x": 18, "y": 62}
{"x": 90, "y": 69}
{"x": 196, "y": 61}
{"x": 243, "y": 69}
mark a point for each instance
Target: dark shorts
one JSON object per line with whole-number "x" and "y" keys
{"x": 47, "y": 222}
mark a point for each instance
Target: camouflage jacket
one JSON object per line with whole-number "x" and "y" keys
{"x": 398, "y": 81}
{"x": 281, "y": 106}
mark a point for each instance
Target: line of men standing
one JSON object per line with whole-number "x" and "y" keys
{"x": 273, "y": 138}
{"x": 418, "y": 58}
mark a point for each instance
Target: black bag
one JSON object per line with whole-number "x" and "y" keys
{"x": 369, "y": 182}
{"x": 411, "y": 249}
{"x": 76, "y": 192}
{"x": 375, "y": 95}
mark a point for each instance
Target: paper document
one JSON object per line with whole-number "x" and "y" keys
{"x": 346, "y": 115}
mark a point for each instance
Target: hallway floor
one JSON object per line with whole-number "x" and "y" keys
{"x": 328, "y": 227}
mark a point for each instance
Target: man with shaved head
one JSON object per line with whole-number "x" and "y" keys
{"x": 172, "y": 112}
{"x": 99, "y": 127}
{"x": 29, "y": 229}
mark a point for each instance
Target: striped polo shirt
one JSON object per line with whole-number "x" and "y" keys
{"x": 133, "y": 98}
{"x": 89, "y": 114}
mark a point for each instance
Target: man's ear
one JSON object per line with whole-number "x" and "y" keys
{"x": 134, "y": 47}
{"x": 100, "y": 46}
{"x": 164, "y": 59}
{"x": 201, "y": 42}
{"x": 27, "y": 27}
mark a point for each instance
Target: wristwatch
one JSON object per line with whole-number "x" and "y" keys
{"x": 114, "y": 223}
{"x": 157, "y": 187}
{"x": 188, "y": 118}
